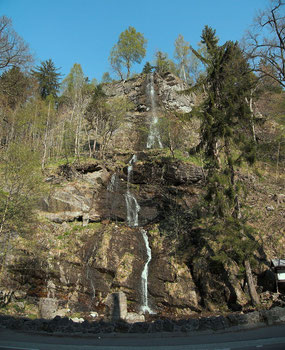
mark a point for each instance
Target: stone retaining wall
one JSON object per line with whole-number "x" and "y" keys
{"x": 64, "y": 325}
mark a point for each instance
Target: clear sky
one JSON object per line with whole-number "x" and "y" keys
{"x": 84, "y": 31}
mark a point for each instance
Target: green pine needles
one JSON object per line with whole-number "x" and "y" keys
{"x": 227, "y": 142}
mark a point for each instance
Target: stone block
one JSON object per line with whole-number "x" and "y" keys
{"x": 139, "y": 327}
{"x": 275, "y": 315}
{"x": 48, "y": 307}
{"x": 213, "y": 323}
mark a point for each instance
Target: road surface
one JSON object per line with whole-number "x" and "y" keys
{"x": 267, "y": 338}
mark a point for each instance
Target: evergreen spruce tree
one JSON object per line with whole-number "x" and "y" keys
{"x": 147, "y": 68}
{"x": 48, "y": 78}
{"x": 161, "y": 62}
{"x": 226, "y": 140}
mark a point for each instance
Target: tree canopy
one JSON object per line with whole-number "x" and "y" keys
{"x": 13, "y": 50}
{"x": 181, "y": 54}
{"x": 226, "y": 140}
{"x": 265, "y": 42}
{"x": 16, "y": 87}
{"x": 130, "y": 48}
{"x": 47, "y": 76}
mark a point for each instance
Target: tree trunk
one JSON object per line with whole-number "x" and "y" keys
{"x": 95, "y": 140}
{"x": 89, "y": 141}
{"x": 4, "y": 253}
{"x": 128, "y": 68}
{"x": 237, "y": 211}
{"x": 251, "y": 287}
{"x": 45, "y": 138}
{"x": 277, "y": 160}
{"x": 216, "y": 153}
{"x": 249, "y": 102}
{"x": 7, "y": 237}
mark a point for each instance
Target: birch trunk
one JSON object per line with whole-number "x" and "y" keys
{"x": 251, "y": 287}
{"x": 45, "y": 138}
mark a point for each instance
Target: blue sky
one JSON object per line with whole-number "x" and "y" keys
{"x": 84, "y": 31}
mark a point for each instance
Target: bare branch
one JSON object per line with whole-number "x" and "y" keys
{"x": 13, "y": 50}
{"x": 265, "y": 42}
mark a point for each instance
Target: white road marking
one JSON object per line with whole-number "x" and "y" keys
{"x": 14, "y": 348}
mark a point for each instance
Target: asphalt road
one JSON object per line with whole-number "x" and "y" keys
{"x": 267, "y": 338}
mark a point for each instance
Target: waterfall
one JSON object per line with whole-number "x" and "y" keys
{"x": 145, "y": 307}
{"x": 133, "y": 207}
{"x": 112, "y": 184}
{"x": 153, "y": 136}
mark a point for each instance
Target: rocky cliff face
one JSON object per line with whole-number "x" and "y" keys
{"x": 167, "y": 88}
{"x": 167, "y": 99}
{"x": 113, "y": 255}
{"x": 84, "y": 248}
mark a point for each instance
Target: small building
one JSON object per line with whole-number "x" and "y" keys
{"x": 278, "y": 266}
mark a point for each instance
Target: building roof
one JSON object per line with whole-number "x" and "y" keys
{"x": 278, "y": 262}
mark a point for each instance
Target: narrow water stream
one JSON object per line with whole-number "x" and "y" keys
{"x": 145, "y": 307}
{"x": 153, "y": 138}
{"x": 132, "y": 205}
{"x": 133, "y": 209}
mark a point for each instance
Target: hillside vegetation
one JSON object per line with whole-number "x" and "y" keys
{"x": 208, "y": 177}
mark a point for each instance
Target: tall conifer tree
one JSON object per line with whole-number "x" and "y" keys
{"x": 47, "y": 76}
{"x": 226, "y": 140}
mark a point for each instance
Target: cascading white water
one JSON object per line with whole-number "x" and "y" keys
{"x": 130, "y": 168}
{"x": 153, "y": 136}
{"x": 145, "y": 307}
{"x": 112, "y": 184}
{"x": 133, "y": 207}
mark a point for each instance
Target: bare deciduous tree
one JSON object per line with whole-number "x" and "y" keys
{"x": 13, "y": 50}
{"x": 265, "y": 42}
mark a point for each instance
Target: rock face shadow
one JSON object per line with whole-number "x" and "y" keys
{"x": 116, "y": 307}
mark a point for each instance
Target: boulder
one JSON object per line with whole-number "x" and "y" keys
{"x": 77, "y": 319}
{"x": 5, "y": 296}
{"x": 133, "y": 317}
